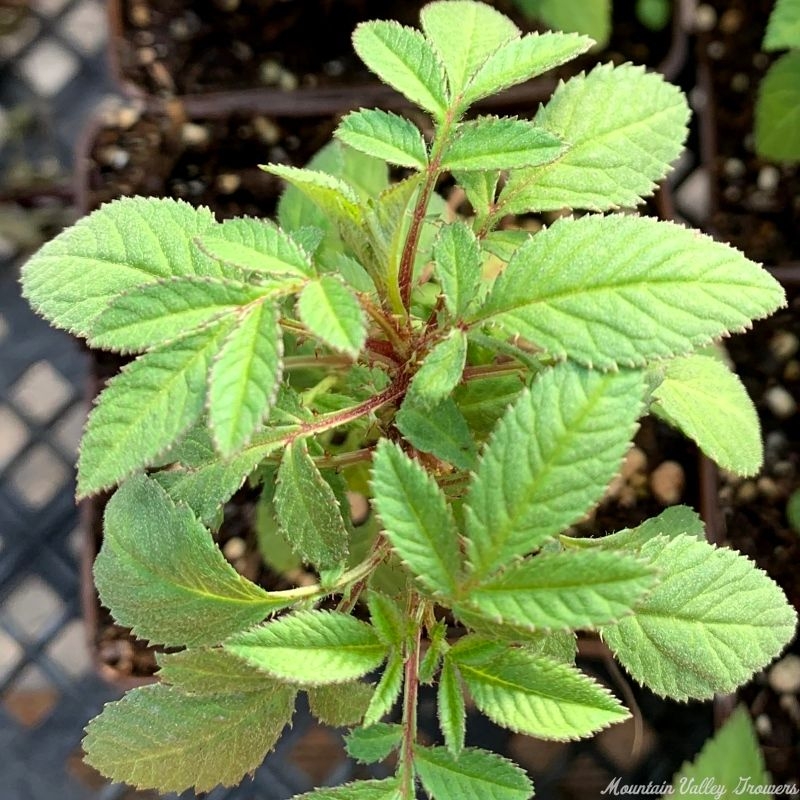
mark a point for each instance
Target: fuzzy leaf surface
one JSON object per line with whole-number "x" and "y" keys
{"x": 621, "y": 290}
{"x": 458, "y": 266}
{"x": 384, "y": 135}
{"x": 161, "y": 574}
{"x": 387, "y": 618}
{"x": 211, "y": 670}
{"x": 624, "y": 127}
{"x": 308, "y": 511}
{"x": 521, "y": 59}
{"x": 441, "y": 369}
{"x": 157, "y": 737}
{"x": 566, "y": 590}
{"x": 387, "y": 691}
{"x": 530, "y": 694}
{"x": 701, "y": 397}
{"x": 244, "y": 378}
{"x": 257, "y": 245}
{"x": 403, "y": 58}
{"x": 416, "y": 517}
{"x": 361, "y": 790}
{"x": 152, "y": 313}
{"x": 492, "y": 143}
{"x": 783, "y": 27}
{"x": 548, "y": 461}
{"x": 451, "y": 708}
{"x": 777, "y": 126}
{"x": 472, "y": 775}
{"x": 144, "y": 409}
{"x": 712, "y": 620}
{"x": 374, "y": 743}
{"x": 123, "y": 244}
{"x": 311, "y": 648}
{"x": 333, "y": 314}
{"x": 340, "y": 704}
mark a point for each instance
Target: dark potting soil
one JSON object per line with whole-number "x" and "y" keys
{"x": 758, "y": 201}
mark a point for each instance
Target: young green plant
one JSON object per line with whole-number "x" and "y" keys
{"x": 481, "y": 384}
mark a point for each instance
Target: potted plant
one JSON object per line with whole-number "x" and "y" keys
{"x": 370, "y": 314}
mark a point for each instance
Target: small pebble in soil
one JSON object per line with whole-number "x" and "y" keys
{"x": 747, "y": 492}
{"x": 740, "y": 82}
{"x": 768, "y": 488}
{"x": 769, "y": 177}
{"x": 715, "y": 50}
{"x": 241, "y": 51}
{"x": 126, "y": 117}
{"x": 730, "y": 21}
{"x": 667, "y": 482}
{"x": 763, "y": 725}
{"x": 791, "y": 706}
{"x": 780, "y": 402}
{"x": 234, "y": 548}
{"x": 194, "y": 135}
{"x": 733, "y": 194}
{"x": 227, "y": 5}
{"x": 267, "y": 130}
{"x": 783, "y": 469}
{"x": 791, "y": 371}
{"x": 635, "y": 462}
{"x": 705, "y": 18}
{"x": 139, "y": 15}
{"x": 114, "y": 157}
{"x": 333, "y": 69}
{"x": 228, "y": 183}
{"x": 734, "y": 168}
{"x": 179, "y": 30}
{"x": 784, "y": 344}
{"x": 145, "y": 56}
{"x": 287, "y": 81}
{"x": 269, "y": 72}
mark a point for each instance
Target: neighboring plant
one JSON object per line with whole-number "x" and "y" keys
{"x": 481, "y": 384}
{"x": 793, "y": 510}
{"x": 777, "y": 130}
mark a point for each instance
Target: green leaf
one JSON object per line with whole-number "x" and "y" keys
{"x": 491, "y": 143}
{"x": 257, "y": 245}
{"x": 148, "y": 315}
{"x": 124, "y": 244}
{"x": 340, "y": 704}
{"x": 311, "y": 648}
{"x": 731, "y": 762}
{"x": 783, "y": 27}
{"x": 385, "y": 135}
{"x": 458, "y": 266}
{"x": 145, "y": 409}
{"x": 701, "y": 397}
{"x": 156, "y": 737}
{"x": 578, "y": 16}
{"x": 387, "y": 691}
{"x": 622, "y": 290}
{"x": 549, "y": 460}
{"x": 450, "y": 707}
{"x": 481, "y": 28}
{"x": 429, "y": 665}
{"x": 361, "y": 790}
{"x": 624, "y": 127}
{"x": 308, "y": 511}
{"x": 387, "y": 618}
{"x": 777, "y": 125}
{"x": 211, "y": 670}
{"x": 481, "y": 189}
{"x": 521, "y": 59}
{"x": 441, "y": 369}
{"x": 416, "y": 517}
{"x": 530, "y": 694}
{"x": 161, "y": 574}
{"x": 333, "y": 314}
{"x": 351, "y": 273}
{"x": 475, "y": 774}
{"x": 483, "y": 401}
{"x": 712, "y": 620}
{"x": 401, "y": 57}
{"x": 374, "y": 743}
{"x": 570, "y": 590}
{"x": 441, "y": 431}
{"x": 244, "y": 378}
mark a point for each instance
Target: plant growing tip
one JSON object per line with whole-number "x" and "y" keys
{"x": 481, "y": 385}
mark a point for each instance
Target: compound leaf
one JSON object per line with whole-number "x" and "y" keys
{"x": 340, "y": 704}
{"x": 387, "y": 691}
{"x": 374, "y": 743}
{"x": 451, "y": 708}
{"x": 333, "y": 314}
{"x": 712, "y": 620}
{"x": 440, "y": 371}
{"x": 361, "y": 790}
{"x": 378, "y": 133}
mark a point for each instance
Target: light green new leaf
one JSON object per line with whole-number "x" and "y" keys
{"x": 578, "y": 16}
{"x": 490, "y": 143}
{"x": 481, "y": 189}
{"x": 361, "y": 790}
{"x": 311, "y": 648}
{"x": 153, "y": 313}
{"x": 731, "y": 760}
{"x": 387, "y": 691}
{"x": 403, "y": 58}
{"x": 131, "y": 241}
{"x": 387, "y": 618}
{"x": 416, "y": 517}
{"x": 712, "y": 620}
{"x": 333, "y": 314}
{"x": 256, "y": 245}
{"x": 244, "y": 378}
{"x": 145, "y": 408}
{"x": 385, "y": 135}
{"x": 441, "y": 431}
{"x": 482, "y": 30}
{"x": 783, "y": 27}
{"x": 156, "y": 737}
{"x": 701, "y": 397}
{"x": 451, "y": 708}
{"x": 340, "y": 704}
{"x": 528, "y": 693}
{"x": 622, "y": 290}
{"x": 374, "y": 743}
{"x": 458, "y": 266}
{"x": 521, "y": 59}
{"x": 161, "y": 574}
{"x": 777, "y": 126}
{"x": 309, "y": 516}
{"x": 568, "y": 590}
{"x": 472, "y": 775}
{"x": 549, "y": 460}
{"x": 441, "y": 370}
{"x": 624, "y": 127}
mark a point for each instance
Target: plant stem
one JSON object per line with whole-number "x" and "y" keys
{"x": 310, "y": 362}
{"x": 416, "y": 610}
{"x": 386, "y": 323}
{"x": 380, "y": 548}
{"x": 491, "y": 370}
